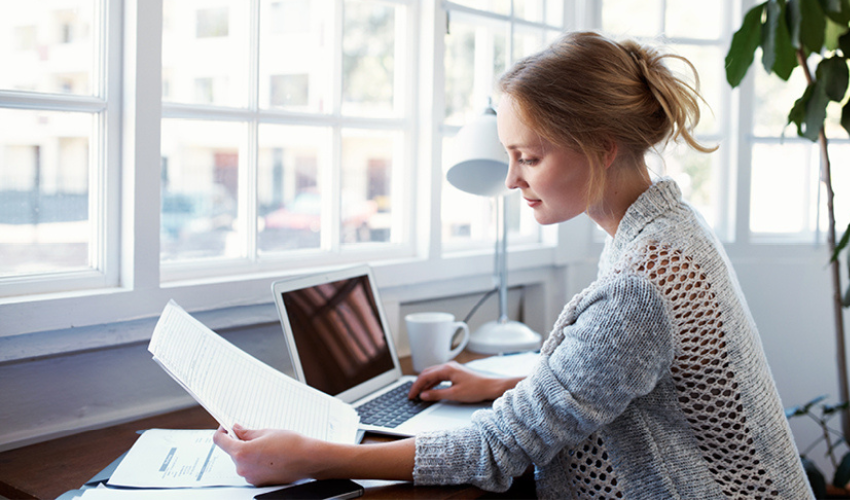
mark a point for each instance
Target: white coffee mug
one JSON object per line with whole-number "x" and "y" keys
{"x": 430, "y": 335}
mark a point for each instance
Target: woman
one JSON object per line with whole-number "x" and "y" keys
{"x": 653, "y": 383}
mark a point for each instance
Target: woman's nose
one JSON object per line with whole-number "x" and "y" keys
{"x": 512, "y": 179}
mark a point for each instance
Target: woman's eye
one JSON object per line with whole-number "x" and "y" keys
{"x": 527, "y": 161}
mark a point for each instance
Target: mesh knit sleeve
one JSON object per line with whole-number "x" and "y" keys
{"x": 611, "y": 345}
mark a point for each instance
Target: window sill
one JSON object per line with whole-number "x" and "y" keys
{"x": 38, "y": 326}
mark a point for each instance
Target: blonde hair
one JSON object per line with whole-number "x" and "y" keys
{"x": 587, "y": 92}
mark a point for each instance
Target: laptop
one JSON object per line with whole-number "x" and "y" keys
{"x": 339, "y": 343}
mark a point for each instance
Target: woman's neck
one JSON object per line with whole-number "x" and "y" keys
{"x": 624, "y": 184}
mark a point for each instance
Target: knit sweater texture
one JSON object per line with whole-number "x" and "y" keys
{"x": 653, "y": 383}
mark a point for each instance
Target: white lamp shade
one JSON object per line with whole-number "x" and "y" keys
{"x": 480, "y": 162}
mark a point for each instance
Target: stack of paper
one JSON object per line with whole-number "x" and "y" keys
{"x": 235, "y": 388}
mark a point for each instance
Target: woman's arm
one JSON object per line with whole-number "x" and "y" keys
{"x": 268, "y": 457}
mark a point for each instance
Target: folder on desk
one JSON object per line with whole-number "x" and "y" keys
{"x": 235, "y": 387}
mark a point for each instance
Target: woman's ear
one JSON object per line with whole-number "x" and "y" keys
{"x": 610, "y": 155}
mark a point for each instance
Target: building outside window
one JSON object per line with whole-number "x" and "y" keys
{"x": 311, "y": 119}
{"x": 53, "y": 128}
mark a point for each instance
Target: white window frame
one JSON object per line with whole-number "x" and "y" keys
{"x": 104, "y": 106}
{"x": 331, "y": 251}
{"x": 121, "y": 311}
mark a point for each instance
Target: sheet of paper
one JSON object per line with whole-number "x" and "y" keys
{"x": 508, "y": 365}
{"x": 226, "y": 493}
{"x": 236, "y": 387}
{"x": 169, "y": 458}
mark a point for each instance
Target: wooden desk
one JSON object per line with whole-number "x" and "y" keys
{"x": 48, "y": 469}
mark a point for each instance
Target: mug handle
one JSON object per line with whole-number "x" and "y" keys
{"x": 465, "y": 340}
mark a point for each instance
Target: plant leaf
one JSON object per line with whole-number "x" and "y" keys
{"x": 837, "y": 11}
{"x": 842, "y": 472}
{"x": 744, "y": 43}
{"x": 844, "y": 44}
{"x": 828, "y": 409}
{"x": 809, "y": 111}
{"x": 845, "y": 302}
{"x": 800, "y": 410}
{"x": 833, "y": 33}
{"x": 815, "y": 476}
{"x": 812, "y": 25}
{"x": 793, "y": 19}
{"x": 845, "y": 238}
{"x": 773, "y": 12}
{"x": 786, "y": 54}
{"x": 834, "y": 73}
{"x": 845, "y": 117}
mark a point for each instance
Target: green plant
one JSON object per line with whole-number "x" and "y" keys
{"x": 806, "y": 33}
{"x": 831, "y": 437}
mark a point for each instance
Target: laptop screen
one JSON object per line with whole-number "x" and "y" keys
{"x": 338, "y": 333}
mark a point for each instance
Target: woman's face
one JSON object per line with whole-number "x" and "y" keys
{"x": 553, "y": 180}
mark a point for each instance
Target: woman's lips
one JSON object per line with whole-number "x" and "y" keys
{"x": 532, "y": 202}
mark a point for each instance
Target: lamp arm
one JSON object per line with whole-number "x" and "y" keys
{"x": 502, "y": 256}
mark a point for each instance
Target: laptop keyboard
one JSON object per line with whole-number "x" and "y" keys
{"x": 392, "y": 408}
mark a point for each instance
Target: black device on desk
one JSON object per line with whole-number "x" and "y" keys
{"x": 321, "y": 489}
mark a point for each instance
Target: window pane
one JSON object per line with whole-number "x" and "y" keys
{"x": 497, "y": 6}
{"x": 773, "y": 100}
{"x": 367, "y": 201}
{"x": 289, "y": 186}
{"x": 689, "y": 19}
{"x": 697, "y": 175}
{"x": 297, "y": 80}
{"x": 200, "y": 165}
{"x": 527, "y": 41}
{"x": 522, "y": 226}
{"x": 44, "y": 195}
{"x": 205, "y": 52}
{"x": 530, "y": 10}
{"x": 554, "y": 12}
{"x": 368, "y": 58}
{"x": 631, "y": 18}
{"x": 48, "y": 49}
{"x": 782, "y": 191}
{"x": 706, "y": 59}
{"x": 475, "y": 57}
{"x": 466, "y": 217}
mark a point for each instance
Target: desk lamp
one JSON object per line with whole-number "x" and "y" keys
{"x": 480, "y": 168}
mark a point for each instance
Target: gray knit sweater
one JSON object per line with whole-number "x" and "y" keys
{"x": 652, "y": 385}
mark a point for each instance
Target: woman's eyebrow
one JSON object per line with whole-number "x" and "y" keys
{"x": 527, "y": 147}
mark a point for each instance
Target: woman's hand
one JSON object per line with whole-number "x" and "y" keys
{"x": 268, "y": 457}
{"x": 467, "y": 386}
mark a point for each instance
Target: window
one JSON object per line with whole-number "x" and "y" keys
{"x": 787, "y": 203}
{"x": 54, "y": 126}
{"x": 700, "y": 32}
{"x": 278, "y": 136}
{"x": 483, "y": 38}
{"x": 298, "y": 168}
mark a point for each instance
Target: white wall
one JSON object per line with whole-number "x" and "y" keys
{"x": 791, "y": 303}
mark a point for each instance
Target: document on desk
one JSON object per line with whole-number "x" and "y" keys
{"x": 221, "y": 493}
{"x": 176, "y": 458}
{"x": 235, "y": 387}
